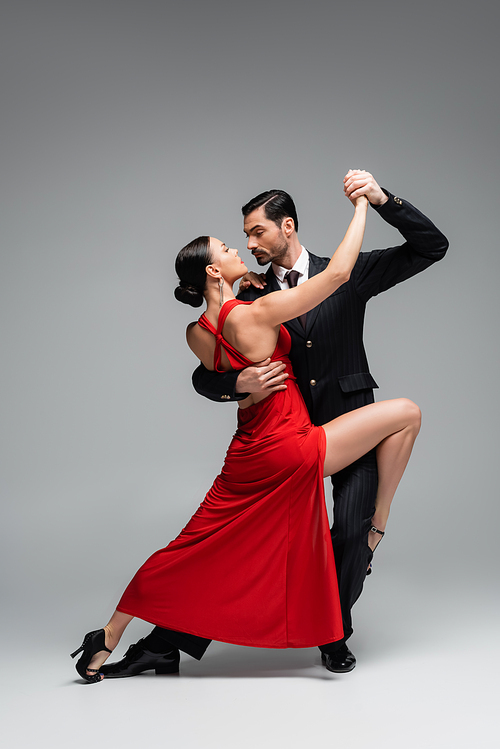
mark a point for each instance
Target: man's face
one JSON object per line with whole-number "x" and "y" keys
{"x": 266, "y": 241}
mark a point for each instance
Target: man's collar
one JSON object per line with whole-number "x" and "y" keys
{"x": 301, "y": 265}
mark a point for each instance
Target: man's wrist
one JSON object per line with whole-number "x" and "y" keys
{"x": 237, "y": 391}
{"x": 382, "y": 201}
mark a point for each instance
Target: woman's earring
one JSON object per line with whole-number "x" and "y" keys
{"x": 221, "y": 292}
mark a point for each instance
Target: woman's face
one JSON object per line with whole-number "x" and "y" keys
{"x": 227, "y": 260}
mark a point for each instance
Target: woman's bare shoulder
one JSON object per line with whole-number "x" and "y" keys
{"x": 201, "y": 343}
{"x": 239, "y": 314}
{"x": 193, "y": 339}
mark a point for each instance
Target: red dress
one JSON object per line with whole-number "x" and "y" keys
{"x": 254, "y": 565}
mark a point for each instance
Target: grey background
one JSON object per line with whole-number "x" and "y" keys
{"x": 127, "y": 129}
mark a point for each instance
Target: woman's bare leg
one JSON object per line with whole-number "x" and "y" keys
{"x": 113, "y": 632}
{"x": 393, "y": 454}
{"x": 392, "y": 426}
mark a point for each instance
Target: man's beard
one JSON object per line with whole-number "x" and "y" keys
{"x": 263, "y": 260}
{"x": 274, "y": 255}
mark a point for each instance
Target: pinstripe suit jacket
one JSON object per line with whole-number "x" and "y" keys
{"x": 328, "y": 357}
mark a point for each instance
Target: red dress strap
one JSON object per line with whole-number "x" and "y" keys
{"x": 236, "y": 359}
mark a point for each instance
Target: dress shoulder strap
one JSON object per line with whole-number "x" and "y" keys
{"x": 236, "y": 359}
{"x": 205, "y": 323}
{"x": 225, "y": 310}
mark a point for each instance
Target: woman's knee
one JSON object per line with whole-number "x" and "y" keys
{"x": 412, "y": 413}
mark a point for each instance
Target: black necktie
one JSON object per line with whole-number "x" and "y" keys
{"x": 292, "y": 276}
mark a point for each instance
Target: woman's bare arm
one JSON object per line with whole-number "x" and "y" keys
{"x": 253, "y": 328}
{"x": 274, "y": 309}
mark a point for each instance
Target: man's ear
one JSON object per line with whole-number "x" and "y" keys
{"x": 213, "y": 271}
{"x": 288, "y": 226}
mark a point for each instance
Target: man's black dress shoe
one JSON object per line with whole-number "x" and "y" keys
{"x": 138, "y": 659}
{"x": 340, "y": 662}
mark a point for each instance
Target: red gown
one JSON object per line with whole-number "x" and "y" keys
{"x": 254, "y": 565}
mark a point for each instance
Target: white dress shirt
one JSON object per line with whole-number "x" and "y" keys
{"x": 301, "y": 266}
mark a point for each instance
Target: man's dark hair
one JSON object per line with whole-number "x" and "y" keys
{"x": 278, "y": 205}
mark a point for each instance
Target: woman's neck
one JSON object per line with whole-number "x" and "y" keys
{"x": 214, "y": 298}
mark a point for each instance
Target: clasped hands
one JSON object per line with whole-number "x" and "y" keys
{"x": 358, "y": 182}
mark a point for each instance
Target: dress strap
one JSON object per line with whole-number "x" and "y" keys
{"x": 205, "y": 323}
{"x": 225, "y": 310}
{"x": 236, "y": 359}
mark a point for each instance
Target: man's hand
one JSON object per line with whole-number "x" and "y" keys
{"x": 358, "y": 182}
{"x": 252, "y": 279}
{"x": 264, "y": 377}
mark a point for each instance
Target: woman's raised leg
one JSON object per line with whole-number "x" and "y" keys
{"x": 390, "y": 426}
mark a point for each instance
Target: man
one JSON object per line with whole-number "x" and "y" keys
{"x": 328, "y": 355}
{"x": 331, "y": 368}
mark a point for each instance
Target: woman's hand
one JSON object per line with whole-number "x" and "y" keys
{"x": 252, "y": 279}
{"x": 361, "y": 184}
{"x": 359, "y": 201}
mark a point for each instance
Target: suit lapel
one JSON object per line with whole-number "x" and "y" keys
{"x": 272, "y": 281}
{"x": 296, "y": 327}
{"x": 316, "y": 265}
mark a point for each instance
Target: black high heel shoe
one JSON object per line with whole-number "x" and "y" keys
{"x": 93, "y": 643}
{"x": 382, "y": 534}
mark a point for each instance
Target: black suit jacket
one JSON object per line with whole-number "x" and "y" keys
{"x": 328, "y": 357}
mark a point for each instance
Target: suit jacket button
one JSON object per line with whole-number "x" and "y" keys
{"x": 309, "y": 344}
{"x": 225, "y": 397}
{"x": 312, "y": 383}
{"x": 398, "y": 201}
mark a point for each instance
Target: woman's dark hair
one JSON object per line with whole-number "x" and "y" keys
{"x": 190, "y": 266}
{"x": 278, "y": 205}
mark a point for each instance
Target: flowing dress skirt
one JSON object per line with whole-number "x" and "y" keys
{"x": 254, "y": 565}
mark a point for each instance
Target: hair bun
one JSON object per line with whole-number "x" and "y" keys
{"x": 188, "y": 294}
{"x": 190, "y": 266}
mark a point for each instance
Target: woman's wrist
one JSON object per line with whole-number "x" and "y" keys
{"x": 361, "y": 206}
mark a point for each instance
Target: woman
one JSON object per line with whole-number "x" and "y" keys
{"x": 254, "y": 566}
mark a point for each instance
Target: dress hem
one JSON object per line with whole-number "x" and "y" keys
{"x": 239, "y": 641}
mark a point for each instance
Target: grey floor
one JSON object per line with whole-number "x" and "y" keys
{"x": 427, "y": 676}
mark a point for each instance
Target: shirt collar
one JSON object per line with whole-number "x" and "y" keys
{"x": 302, "y": 265}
